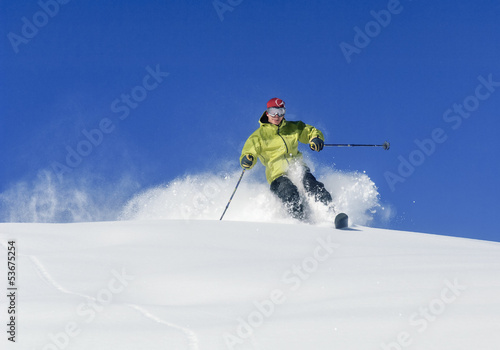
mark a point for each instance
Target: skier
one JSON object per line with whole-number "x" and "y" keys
{"x": 275, "y": 143}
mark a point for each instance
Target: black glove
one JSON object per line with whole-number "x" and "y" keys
{"x": 247, "y": 161}
{"x": 316, "y": 144}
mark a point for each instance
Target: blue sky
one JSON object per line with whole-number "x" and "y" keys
{"x": 159, "y": 89}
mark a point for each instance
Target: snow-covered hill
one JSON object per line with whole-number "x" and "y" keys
{"x": 194, "y": 284}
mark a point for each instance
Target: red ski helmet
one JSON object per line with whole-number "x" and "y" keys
{"x": 275, "y": 102}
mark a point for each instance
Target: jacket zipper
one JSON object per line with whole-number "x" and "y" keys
{"x": 286, "y": 146}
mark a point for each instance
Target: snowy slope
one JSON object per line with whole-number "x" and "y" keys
{"x": 193, "y": 284}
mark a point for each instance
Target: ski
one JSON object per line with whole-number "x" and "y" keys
{"x": 341, "y": 221}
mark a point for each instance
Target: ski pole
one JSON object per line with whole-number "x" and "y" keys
{"x": 241, "y": 176}
{"x": 386, "y": 145}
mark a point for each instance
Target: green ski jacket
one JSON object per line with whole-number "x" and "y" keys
{"x": 277, "y": 145}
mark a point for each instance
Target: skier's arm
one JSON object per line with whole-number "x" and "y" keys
{"x": 250, "y": 152}
{"x": 309, "y": 132}
{"x": 312, "y": 136}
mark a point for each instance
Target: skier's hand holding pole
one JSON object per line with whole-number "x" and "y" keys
{"x": 316, "y": 144}
{"x": 247, "y": 161}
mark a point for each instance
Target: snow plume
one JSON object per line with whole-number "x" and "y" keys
{"x": 204, "y": 196}
{"x": 46, "y": 199}
{"x": 191, "y": 197}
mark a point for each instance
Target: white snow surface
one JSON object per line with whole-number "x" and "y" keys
{"x": 170, "y": 275}
{"x": 209, "y": 284}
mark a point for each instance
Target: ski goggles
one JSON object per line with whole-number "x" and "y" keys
{"x": 276, "y": 111}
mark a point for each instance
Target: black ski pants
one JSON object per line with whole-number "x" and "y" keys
{"x": 284, "y": 188}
